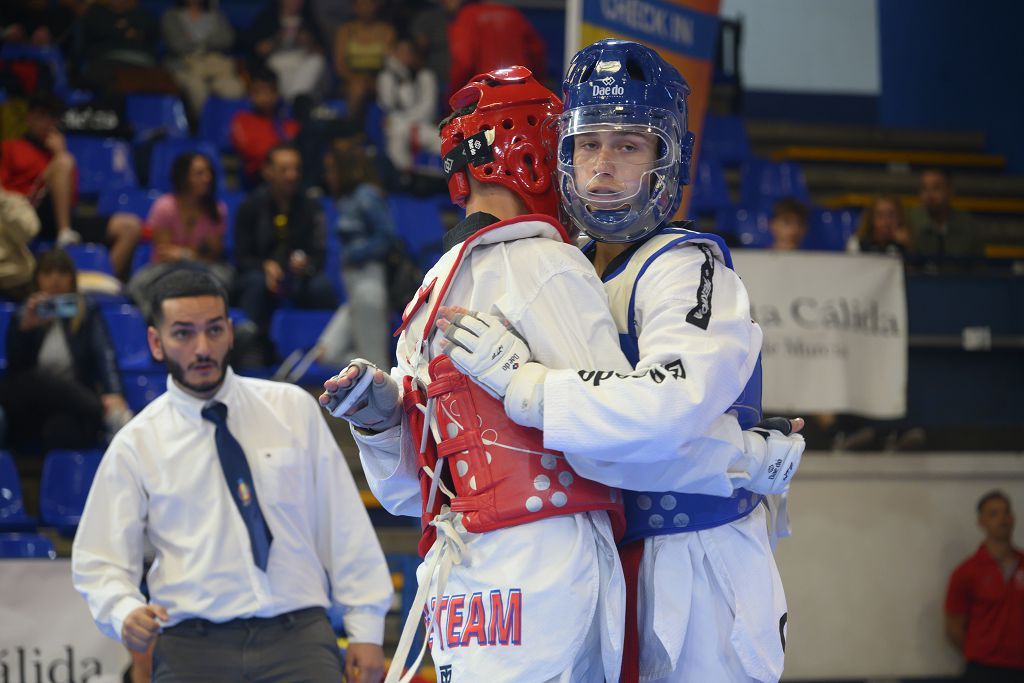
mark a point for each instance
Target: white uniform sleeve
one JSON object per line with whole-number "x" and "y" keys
{"x": 393, "y": 476}
{"x": 107, "y": 554}
{"x": 345, "y": 540}
{"x": 686, "y": 377}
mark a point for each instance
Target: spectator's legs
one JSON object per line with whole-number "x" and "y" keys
{"x": 314, "y": 292}
{"x": 123, "y": 234}
{"x": 253, "y": 297}
{"x": 59, "y": 178}
{"x": 397, "y": 132}
{"x": 188, "y": 74}
{"x": 223, "y": 78}
{"x": 368, "y": 310}
{"x": 58, "y": 412}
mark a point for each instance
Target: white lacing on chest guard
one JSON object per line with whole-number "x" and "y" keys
{"x": 450, "y": 551}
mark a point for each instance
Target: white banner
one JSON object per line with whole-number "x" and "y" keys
{"x": 835, "y": 331}
{"x": 46, "y": 632}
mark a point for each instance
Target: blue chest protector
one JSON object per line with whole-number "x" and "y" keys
{"x": 654, "y": 513}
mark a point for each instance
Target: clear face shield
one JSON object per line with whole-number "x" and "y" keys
{"x": 617, "y": 166}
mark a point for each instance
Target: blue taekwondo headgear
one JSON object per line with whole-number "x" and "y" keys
{"x": 623, "y": 88}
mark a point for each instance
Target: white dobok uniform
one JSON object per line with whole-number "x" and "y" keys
{"x": 710, "y": 603}
{"x": 562, "y": 572}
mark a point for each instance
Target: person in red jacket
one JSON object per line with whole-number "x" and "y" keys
{"x": 483, "y": 36}
{"x": 256, "y": 132}
{"x": 39, "y": 166}
{"x": 985, "y": 599}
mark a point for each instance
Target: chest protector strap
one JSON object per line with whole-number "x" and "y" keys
{"x": 499, "y": 471}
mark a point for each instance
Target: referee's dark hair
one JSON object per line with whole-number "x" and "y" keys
{"x": 180, "y": 284}
{"x": 994, "y": 494}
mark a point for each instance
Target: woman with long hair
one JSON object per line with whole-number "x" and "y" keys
{"x": 883, "y": 228}
{"x": 188, "y": 225}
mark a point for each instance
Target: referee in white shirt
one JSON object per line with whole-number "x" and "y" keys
{"x": 252, "y": 511}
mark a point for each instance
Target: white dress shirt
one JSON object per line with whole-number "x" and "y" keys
{"x": 161, "y": 478}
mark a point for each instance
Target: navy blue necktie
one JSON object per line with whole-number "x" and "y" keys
{"x": 239, "y": 480}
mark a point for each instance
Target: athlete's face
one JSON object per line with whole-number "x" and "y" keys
{"x": 996, "y": 518}
{"x": 193, "y": 340}
{"x": 612, "y": 162}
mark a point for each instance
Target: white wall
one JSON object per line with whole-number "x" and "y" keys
{"x": 809, "y": 46}
{"x": 875, "y": 538}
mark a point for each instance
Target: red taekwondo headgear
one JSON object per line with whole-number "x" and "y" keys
{"x": 509, "y": 138}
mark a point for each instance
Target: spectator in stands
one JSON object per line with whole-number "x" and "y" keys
{"x": 330, "y": 14}
{"x": 63, "y": 385}
{"x": 361, "y": 47}
{"x": 985, "y": 599}
{"x": 254, "y": 133}
{"x": 18, "y": 225}
{"x": 788, "y": 224}
{"x": 198, "y": 40}
{"x": 882, "y": 230}
{"x": 285, "y": 38}
{"x": 937, "y": 229}
{"x": 243, "y": 572}
{"x": 429, "y": 28}
{"x": 407, "y": 94}
{"x": 188, "y": 226}
{"x": 40, "y": 167}
{"x": 36, "y": 22}
{"x": 280, "y": 243}
{"x": 483, "y": 36}
{"x": 120, "y": 41}
{"x": 360, "y": 328}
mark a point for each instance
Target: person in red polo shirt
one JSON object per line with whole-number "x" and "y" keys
{"x": 985, "y": 599}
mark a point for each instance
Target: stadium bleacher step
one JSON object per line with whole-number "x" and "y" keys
{"x": 766, "y": 136}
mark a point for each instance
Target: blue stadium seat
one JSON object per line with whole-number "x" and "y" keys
{"x": 763, "y": 182}
{"x": 751, "y": 228}
{"x": 166, "y": 151}
{"x": 67, "y": 476}
{"x": 710, "y": 189}
{"x": 294, "y": 329}
{"x": 215, "y": 120}
{"x": 90, "y": 256}
{"x": 725, "y": 139}
{"x": 26, "y": 546}
{"x": 141, "y": 387}
{"x": 135, "y": 200}
{"x": 103, "y": 164}
{"x": 7, "y": 310}
{"x": 128, "y": 330}
{"x": 240, "y": 12}
{"x": 831, "y": 229}
{"x": 142, "y": 256}
{"x": 154, "y": 115}
{"x": 12, "y": 505}
{"x": 418, "y": 221}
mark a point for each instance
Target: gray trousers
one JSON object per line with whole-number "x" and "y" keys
{"x": 293, "y": 647}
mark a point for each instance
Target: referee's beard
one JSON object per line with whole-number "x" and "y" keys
{"x": 180, "y": 374}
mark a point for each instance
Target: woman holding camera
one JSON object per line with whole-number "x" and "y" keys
{"x": 63, "y": 387}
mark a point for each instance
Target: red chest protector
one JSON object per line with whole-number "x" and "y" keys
{"x": 499, "y": 471}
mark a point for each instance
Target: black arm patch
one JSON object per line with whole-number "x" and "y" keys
{"x": 675, "y": 371}
{"x": 700, "y": 315}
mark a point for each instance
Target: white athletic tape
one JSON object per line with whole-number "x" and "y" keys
{"x": 355, "y": 393}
